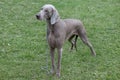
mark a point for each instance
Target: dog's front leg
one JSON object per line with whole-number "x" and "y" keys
{"x": 52, "y": 50}
{"x": 59, "y": 62}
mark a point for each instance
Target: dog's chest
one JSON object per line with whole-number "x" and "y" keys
{"x": 53, "y": 39}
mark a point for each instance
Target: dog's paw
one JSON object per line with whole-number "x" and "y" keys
{"x": 58, "y": 75}
{"x": 52, "y": 71}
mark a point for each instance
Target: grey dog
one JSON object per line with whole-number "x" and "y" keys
{"x": 59, "y": 30}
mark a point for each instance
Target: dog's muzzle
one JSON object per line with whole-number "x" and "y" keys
{"x": 37, "y": 16}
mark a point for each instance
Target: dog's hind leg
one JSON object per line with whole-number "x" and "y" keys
{"x": 85, "y": 40}
{"x": 73, "y": 41}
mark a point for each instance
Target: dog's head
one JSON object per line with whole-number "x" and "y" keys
{"x": 48, "y": 12}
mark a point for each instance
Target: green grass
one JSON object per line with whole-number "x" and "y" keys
{"x": 23, "y": 48}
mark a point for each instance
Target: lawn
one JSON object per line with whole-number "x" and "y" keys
{"x": 24, "y": 53}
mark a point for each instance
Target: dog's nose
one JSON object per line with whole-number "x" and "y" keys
{"x": 37, "y": 16}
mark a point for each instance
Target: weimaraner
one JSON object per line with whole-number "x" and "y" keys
{"x": 59, "y": 30}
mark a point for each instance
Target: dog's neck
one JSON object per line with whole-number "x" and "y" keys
{"x": 49, "y": 25}
{"x": 49, "y": 22}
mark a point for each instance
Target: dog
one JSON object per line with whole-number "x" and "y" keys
{"x": 59, "y": 30}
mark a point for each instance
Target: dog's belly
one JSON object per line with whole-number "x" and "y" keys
{"x": 71, "y": 33}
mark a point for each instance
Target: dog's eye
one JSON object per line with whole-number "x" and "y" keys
{"x": 46, "y": 10}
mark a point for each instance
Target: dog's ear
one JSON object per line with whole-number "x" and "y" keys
{"x": 54, "y": 17}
